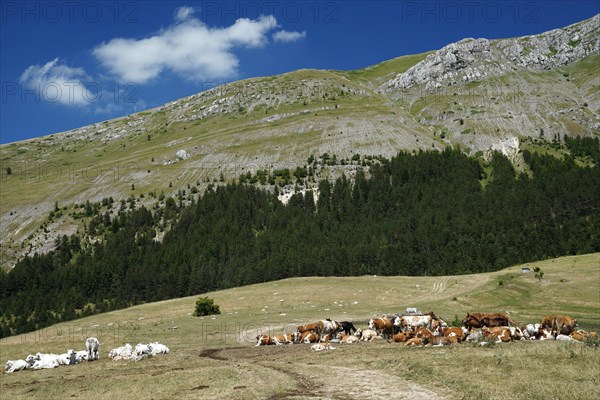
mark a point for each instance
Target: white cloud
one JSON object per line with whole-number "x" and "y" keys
{"x": 288, "y": 36}
{"x": 57, "y": 83}
{"x": 188, "y": 48}
{"x": 182, "y": 13}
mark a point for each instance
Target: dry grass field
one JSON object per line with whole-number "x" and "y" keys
{"x": 215, "y": 357}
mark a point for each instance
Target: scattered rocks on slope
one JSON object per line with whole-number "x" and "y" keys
{"x": 182, "y": 154}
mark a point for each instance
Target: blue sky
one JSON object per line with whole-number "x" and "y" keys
{"x": 65, "y": 64}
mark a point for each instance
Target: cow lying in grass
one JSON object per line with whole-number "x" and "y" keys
{"x": 309, "y": 337}
{"x": 266, "y": 340}
{"x": 581, "y": 335}
{"x": 15, "y": 365}
{"x": 502, "y": 333}
{"x": 121, "y": 353}
{"x": 402, "y": 337}
{"x": 367, "y": 335}
{"x": 322, "y": 347}
{"x": 140, "y": 352}
{"x": 343, "y": 338}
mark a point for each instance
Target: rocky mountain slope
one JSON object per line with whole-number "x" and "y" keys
{"x": 478, "y": 94}
{"x": 475, "y": 59}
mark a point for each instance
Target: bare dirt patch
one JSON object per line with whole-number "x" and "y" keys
{"x": 314, "y": 380}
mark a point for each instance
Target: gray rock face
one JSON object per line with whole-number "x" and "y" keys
{"x": 474, "y": 59}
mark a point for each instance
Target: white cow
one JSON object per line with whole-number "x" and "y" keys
{"x": 532, "y": 331}
{"x": 367, "y": 335}
{"x": 92, "y": 346}
{"x": 321, "y": 347}
{"x": 343, "y": 338}
{"x": 413, "y": 322}
{"x": 140, "y": 349}
{"x": 158, "y": 348}
{"x": 565, "y": 338}
{"x": 65, "y": 358}
{"x": 121, "y": 353}
{"x": 546, "y": 334}
{"x": 80, "y": 356}
{"x": 475, "y": 336}
{"x": 42, "y": 361}
{"x": 15, "y": 365}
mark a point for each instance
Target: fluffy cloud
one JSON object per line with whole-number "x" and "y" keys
{"x": 188, "y": 48}
{"x": 182, "y": 13}
{"x": 57, "y": 83}
{"x": 287, "y": 36}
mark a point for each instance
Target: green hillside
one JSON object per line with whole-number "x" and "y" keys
{"x": 431, "y": 213}
{"x": 231, "y": 367}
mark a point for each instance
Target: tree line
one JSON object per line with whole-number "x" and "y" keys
{"x": 430, "y": 213}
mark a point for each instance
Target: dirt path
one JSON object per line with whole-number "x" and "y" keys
{"x": 325, "y": 382}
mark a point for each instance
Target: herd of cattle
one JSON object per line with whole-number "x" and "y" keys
{"x": 411, "y": 327}
{"x": 416, "y": 329}
{"x": 91, "y": 353}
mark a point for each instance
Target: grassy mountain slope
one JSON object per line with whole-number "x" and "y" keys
{"x": 279, "y": 121}
{"x": 230, "y": 367}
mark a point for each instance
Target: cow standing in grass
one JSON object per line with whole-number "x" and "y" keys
{"x": 490, "y": 320}
{"x": 348, "y": 327}
{"x": 382, "y": 326}
{"x": 560, "y": 324}
{"x": 92, "y": 345}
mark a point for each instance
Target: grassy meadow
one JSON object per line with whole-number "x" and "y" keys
{"x": 215, "y": 358}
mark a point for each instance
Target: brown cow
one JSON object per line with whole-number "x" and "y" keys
{"x": 581, "y": 335}
{"x": 402, "y": 336}
{"x": 499, "y": 333}
{"x": 308, "y": 327}
{"x": 285, "y": 339}
{"x": 453, "y": 332}
{"x": 264, "y": 340}
{"x": 560, "y": 324}
{"x": 479, "y": 320}
{"x": 382, "y": 325}
{"x": 416, "y": 342}
{"x": 343, "y": 338}
{"x": 309, "y": 337}
{"x": 441, "y": 341}
{"x": 422, "y": 333}
{"x": 436, "y": 322}
{"x": 503, "y": 333}
{"x": 326, "y": 337}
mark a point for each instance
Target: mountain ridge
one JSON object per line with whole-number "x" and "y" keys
{"x": 547, "y": 50}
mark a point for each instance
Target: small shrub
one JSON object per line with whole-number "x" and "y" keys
{"x": 206, "y": 306}
{"x": 457, "y": 322}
